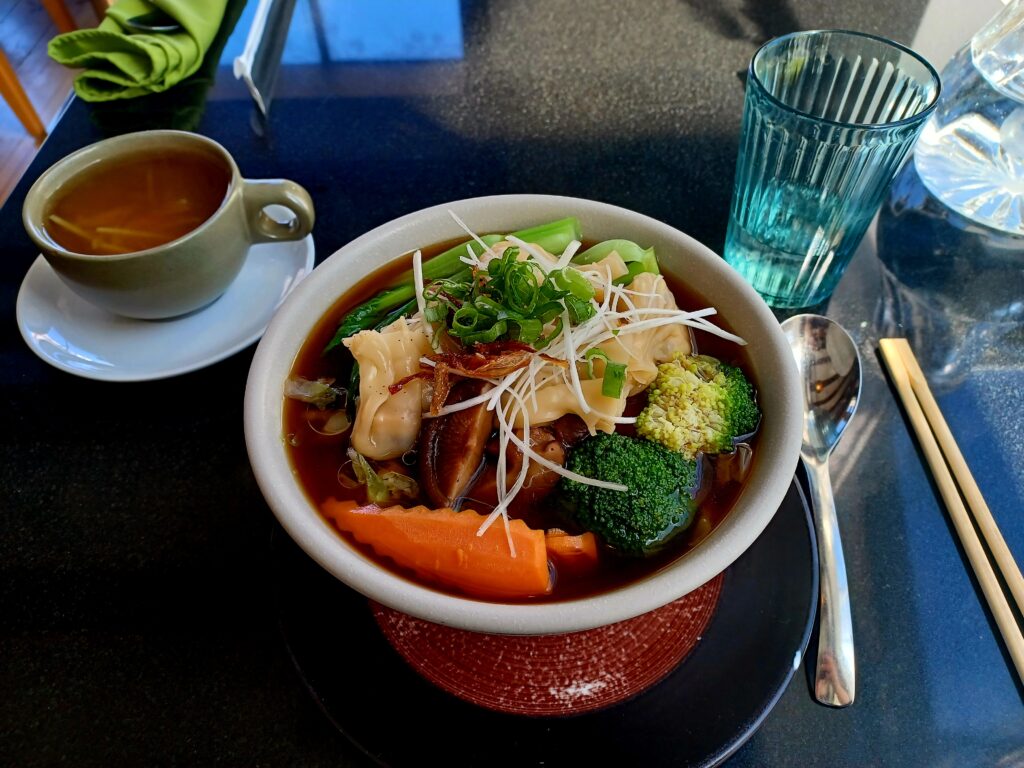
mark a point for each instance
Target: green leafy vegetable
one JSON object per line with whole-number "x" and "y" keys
{"x": 553, "y": 237}
{"x": 320, "y": 392}
{"x": 383, "y": 488}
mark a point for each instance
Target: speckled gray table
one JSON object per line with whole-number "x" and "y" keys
{"x": 135, "y": 588}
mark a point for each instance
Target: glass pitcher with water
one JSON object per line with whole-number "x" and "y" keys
{"x": 951, "y": 235}
{"x": 970, "y": 155}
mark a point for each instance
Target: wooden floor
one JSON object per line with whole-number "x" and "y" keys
{"x": 25, "y": 29}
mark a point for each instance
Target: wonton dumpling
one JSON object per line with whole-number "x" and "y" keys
{"x": 641, "y": 352}
{"x": 556, "y": 399}
{"x": 387, "y": 425}
{"x": 611, "y": 266}
{"x": 644, "y": 350}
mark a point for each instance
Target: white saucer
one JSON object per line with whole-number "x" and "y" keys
{"x": 71, "y": 334}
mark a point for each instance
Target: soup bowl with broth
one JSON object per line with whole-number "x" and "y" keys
{"x": 156, "y": 224}
{"x": 302, "y": 472}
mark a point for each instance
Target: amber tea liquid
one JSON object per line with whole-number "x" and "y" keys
{"x": 137, "y": 203}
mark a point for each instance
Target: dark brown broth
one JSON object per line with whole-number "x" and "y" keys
{"x": 316, "y": 458}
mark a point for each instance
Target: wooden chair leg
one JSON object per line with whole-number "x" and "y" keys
{"x": 60, "y": 14}
{"x": 100, "y": 7}
{"x": 14, "y": 94}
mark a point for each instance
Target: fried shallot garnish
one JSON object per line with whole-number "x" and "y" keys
{"x": 481, "y": 361}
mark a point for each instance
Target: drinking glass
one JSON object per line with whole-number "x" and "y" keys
{"x": 828, "y": 119}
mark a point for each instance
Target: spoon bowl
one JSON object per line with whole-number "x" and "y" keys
{"x": 830, "y": 374}
{"x": 154, "y": 22}
{"x": 830, "y": 371}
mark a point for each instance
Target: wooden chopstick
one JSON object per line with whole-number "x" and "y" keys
{"x": 975, "y": 502}
{"x": 903, "y": 369}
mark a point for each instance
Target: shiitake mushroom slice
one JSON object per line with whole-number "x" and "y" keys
{"x": 451, "y": 447}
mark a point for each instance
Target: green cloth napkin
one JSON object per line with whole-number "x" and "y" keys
{"x": 121, "y": 64}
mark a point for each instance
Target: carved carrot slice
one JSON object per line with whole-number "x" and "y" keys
{"x": 576, "y": 554}
{"x": 442, "y": 545}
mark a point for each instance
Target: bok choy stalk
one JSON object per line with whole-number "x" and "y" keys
{"x": 637, "y": 259}
{"x": 553, "y": 237}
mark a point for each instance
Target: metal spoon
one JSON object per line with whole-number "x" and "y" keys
{"x": 831, "y": 372}
{"x": 156, "y": 22}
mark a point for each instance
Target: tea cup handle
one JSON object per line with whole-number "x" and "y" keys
{"x": 257, "y": 194}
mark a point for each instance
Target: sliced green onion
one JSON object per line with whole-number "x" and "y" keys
{"x": 553, "y": 334}
{"x": 498, "y": 267}
{"x": 527, "y": 330}
{"x": 466, "y": 320}
{"x": 512, "y": 298}
{"x": 520, "y": 288}
{"x": 554, "y": 237}
{"x": 614, "y": 379}
{"x": 488, "y": 306}
{"x": 579, "y": 311}
{"x": 435, "y": 313}
{"x": 571, "y": 281}
{"x": 548, "y": 311}
{"x": 486, "y": 336}
{"x": 589, "y": 359}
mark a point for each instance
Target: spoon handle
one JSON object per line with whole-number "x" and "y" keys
{"x": 835, "y": 675}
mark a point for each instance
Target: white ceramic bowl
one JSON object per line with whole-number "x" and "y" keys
{"x": 771, "y": 360}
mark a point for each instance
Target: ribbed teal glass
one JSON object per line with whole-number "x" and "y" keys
{"x": 828, "y": 119}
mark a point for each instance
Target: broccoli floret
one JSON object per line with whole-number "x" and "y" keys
{"x": 698, "y": 404}
{"x": 658, "y": 504}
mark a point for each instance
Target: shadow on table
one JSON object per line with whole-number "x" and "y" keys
{"x": 757, "y": 21}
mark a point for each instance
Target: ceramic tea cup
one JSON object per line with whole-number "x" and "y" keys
{"x": 138, "y": 275}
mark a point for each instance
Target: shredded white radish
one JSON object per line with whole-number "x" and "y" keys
{"x": 567, "y": 254}
{"x": 539, "y": 258}
{"x": 466, "y": 404}
{"x": 661, "y": 311}
{"x": 495, "y": 394}
{"x": 531, "y": 380}
{"x": 559, "y": 469}
{"x": 471, "y": 233}
{"x": 616, "y": 419}
{"x": 505, "y": 497}
{"x": 417, "y": 281}
{"x": 644, "y": 325}
{"x": 570, "y": 356}
{"x": 714, "y": 329}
